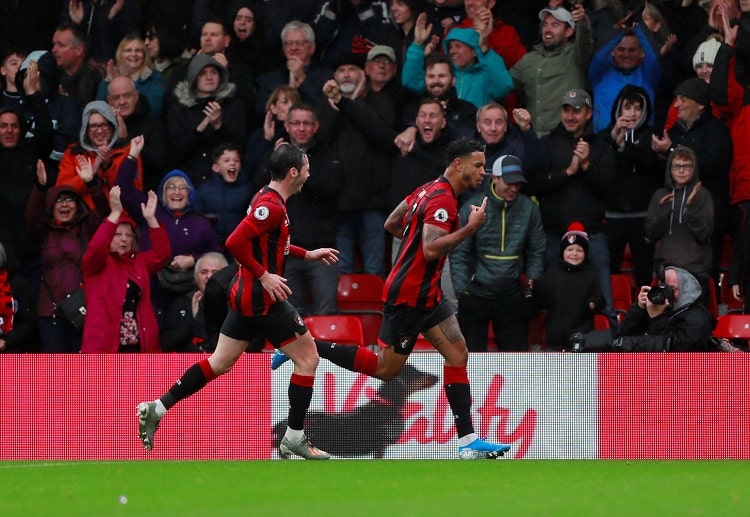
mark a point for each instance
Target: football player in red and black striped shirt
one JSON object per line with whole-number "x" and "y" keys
{"x": 258, "y": 305}
{"x": 427, "y": 224}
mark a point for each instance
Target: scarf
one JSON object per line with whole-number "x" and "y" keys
{"x": 7, "y": 304}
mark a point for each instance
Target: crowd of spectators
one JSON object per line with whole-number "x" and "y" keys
{"x": 625, "y": 117}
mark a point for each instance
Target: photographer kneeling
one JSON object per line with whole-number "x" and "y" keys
{"x": 668, "y": 317}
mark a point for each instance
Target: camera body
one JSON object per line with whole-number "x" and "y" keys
{"x": 577, "y": 342}
{"x": 660, "y": 294}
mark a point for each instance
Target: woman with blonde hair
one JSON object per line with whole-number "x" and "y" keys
{"x": 132, "y": 60}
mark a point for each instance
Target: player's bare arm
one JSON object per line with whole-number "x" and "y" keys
{"x": 394, "y": 222}
{"x": 437, "y": 242}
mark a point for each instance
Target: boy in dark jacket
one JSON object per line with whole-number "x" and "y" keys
{"x": 569, "y": 291}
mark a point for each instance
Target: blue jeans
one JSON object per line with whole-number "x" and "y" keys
{"x": 314, "y": 286}
{"x": 363, "y": 230}
{"x": 598, "y": 257}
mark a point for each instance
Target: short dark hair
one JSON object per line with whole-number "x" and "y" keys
{"x": 463, "y": 147}
{"x": 435, "y": 58}
{"x": 79, "y": 36}
{"x": 431, "y": 100}
{"x": 303, "y": 106}
{"x": 217, "y": 21}
{"x": 283, "y": 159}
{"x": 224, "y": 147}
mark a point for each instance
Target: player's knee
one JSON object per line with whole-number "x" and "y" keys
{"x": 307, "y": 362}
{"x": 458, "y": 355}
{"x": 386, "y": 374}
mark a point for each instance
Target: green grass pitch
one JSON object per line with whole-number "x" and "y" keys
{"x": 376, "y": 487}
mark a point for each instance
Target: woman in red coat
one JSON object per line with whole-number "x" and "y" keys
{"x": 116, "y": 280}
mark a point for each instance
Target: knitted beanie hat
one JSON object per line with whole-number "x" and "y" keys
{"x": 576, "y": 234}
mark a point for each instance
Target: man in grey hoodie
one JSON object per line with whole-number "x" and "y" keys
{"x": 678, "y": 322}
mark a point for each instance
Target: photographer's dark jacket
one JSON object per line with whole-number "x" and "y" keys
{"x": 686, "y": 327}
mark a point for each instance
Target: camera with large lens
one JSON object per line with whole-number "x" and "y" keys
{"x": 660, "y": 294}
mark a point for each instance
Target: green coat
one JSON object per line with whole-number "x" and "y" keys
{"x": 509, "y": 243}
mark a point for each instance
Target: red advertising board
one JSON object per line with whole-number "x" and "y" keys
{"x": 630, "y": 406}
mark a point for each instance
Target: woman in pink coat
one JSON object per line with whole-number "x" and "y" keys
{"x": 117, "y": 279}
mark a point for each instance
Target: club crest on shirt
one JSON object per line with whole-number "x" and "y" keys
{"x": 261, "y": 213}
{"x": 441, "y": 215}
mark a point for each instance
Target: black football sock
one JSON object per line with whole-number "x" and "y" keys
{"x": 191, "y": 381}
{"x": 458, "y": 393}
{"x": 300, "y": 395}
{"x": 352, "y": 357}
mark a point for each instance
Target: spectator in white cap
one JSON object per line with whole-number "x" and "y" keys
{"x": 703, "y": 64}
{"x": 704, "y": 57}
{"x": 487, "y": 267}
{"x": 558, "y": 64}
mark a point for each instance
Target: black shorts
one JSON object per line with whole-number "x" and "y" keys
{"x": 402, "y": 324}
{"x": 280, "y": 326}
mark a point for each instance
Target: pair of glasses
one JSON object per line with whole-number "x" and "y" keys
{"x": 99, "y": 127}
{"x": 181, "y": 188}
{"x": 64, "y": 199}
{"x": 682, "y": 166}
{"x": 295, "y": 43}
{"x": 303, "y": 123}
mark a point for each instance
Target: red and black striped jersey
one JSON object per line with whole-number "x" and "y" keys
{"x": 414, "y": 280}
{"x": 260, "y": 243}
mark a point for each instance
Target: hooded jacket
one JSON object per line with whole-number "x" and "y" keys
{"x": 68, "y": 175}
{"x": 638, "y": 171}
{"x": 607, "y": 80}
{"x": 62, "y": 245}
{"x": 188, "y": 232}
{"x": 682, "y": 232}
{"x": 486, "y": 80}
{"x": 191, "y": 150}
{"x": 685, "y": 327}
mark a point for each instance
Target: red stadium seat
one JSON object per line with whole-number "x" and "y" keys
{"x": 733, "y": 326}
{"x": 359, "y": 292}
{"x": 339, "y": 328}
{"x": 371, "y": 322}
{"x": 601, "y": 322}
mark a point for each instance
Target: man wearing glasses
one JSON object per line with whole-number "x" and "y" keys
{"x": 680, "y": 219}
{"x": 312, "y": 215}
{"x": 299, "y": 70}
